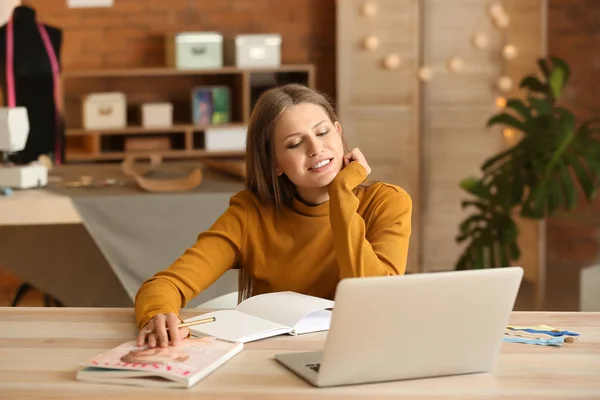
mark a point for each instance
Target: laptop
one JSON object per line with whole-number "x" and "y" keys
{"x": 412, "y": 326}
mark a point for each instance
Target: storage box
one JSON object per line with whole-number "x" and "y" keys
{"x": 157, "y": 115}
{"x": 223, "y": 138}
{"x": 194, "y": 50}
{"x": 211, "y": 105}
{"x": 104, "y": 111}
{"x": 254, "y": 51}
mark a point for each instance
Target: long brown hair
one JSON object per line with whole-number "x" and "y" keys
{"x": 261, "y": 178}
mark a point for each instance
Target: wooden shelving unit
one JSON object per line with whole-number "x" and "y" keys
{"x": 142, "y": 85}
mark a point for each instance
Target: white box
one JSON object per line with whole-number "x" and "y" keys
{"x": 105, "y": 111}
{"x": 157, "y": 115}
{"x": 254, "y": 51}
{"x": 24, "y": 176}
{"x": 225, "y": 138}
{"x": 194, "y": 50}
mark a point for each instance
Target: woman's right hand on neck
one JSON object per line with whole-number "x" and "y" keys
{"x": 155, "y": 332}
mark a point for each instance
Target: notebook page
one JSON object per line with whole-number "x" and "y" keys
{"x": 285, "y": 308}
{"x": 235, "y": 326}
{"x": 314, "y": 322}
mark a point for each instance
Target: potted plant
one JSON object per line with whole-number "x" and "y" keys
{"x": 536, "y": 177}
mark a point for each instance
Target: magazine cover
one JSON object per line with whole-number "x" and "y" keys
{"x": 180, "y": 366}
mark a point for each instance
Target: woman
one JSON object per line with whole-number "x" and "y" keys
{"x": 306, "y": 220}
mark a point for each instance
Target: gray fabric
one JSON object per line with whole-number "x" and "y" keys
{"x": 141, "y": 233}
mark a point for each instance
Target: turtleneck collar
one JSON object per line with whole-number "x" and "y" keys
{"x": 310, "y": 211}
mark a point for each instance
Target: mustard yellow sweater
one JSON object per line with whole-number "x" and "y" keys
{"x": 307, "y": 249}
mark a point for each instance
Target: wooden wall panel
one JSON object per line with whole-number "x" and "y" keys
{"x": 378, "y": 103}
{"x": 456, "y": 107}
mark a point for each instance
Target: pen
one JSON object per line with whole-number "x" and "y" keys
{"x": 197, "y": 322}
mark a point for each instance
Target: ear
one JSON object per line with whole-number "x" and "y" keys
{"x": 278, "y": 170}
{"x": 338, "y": 127}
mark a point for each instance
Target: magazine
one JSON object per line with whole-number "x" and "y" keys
{"x": 180, "y": 366}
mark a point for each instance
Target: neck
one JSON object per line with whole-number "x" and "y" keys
{"x": 313, "y": 196}
{"x": 24, "y": 14}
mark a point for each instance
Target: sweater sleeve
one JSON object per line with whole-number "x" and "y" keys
{"x": 383, "y": 248}
{"x": 215, "y": 251}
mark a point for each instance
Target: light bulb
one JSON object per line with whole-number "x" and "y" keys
{"x": 425, "y": 73}
{"x": 508, "y": 133}
{"x": 509, "y": 52}
{"x": 505, "y": 83}
{"x": 502, "y": 21}
{"x": 496, "y": 9}
{"x": 501, "y": 102}
{"x": 480, "y": 41}
{"x": 456, "y": 64}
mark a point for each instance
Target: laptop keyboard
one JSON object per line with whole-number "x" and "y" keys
{"x": 315, "y": 367}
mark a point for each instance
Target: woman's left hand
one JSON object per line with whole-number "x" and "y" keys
{"x": 356, "y": 155}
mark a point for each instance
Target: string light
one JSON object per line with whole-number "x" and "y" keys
{"x": 501, "y": 102}
{"x": 480, "y": 41}
{"x": 508, "y": 133}
{"x": 456, "y": 64}
{"x": 505, "y": 83}
{"x": 509, "y": 52}
{"x": 425, "y": 73}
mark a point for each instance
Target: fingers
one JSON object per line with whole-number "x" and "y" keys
{"x": 356, "y": 155}
{"x": 160, "y": 329}
{"x": 155, "y": 332}
{"x": 141, "y": 338}
{"x": 172, "y": 324}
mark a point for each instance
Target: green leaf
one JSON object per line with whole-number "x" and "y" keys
{"x": 569, "y": 191}
{"x": 544, "y": 66}
{"x": 520, "y": 108}
{"x": 559, "y": 63}
{"x": 534, "y": 85}
{"x": 507, "y": 119}
{"x": 539, "y": 201}
{"x": 479, "y": 205}
{"x": 466, "y": 224}
{"x": 586, "y": 182}
{"x": 475, "y": 187}
{"x": 557, "y": 82}
{"x": 492, "y": 160}
{"x": 541, "y": 106}
{"x": 515, "y": 251}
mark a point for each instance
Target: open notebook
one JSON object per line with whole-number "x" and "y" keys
{"x": 267, "y": 315}
{"x": 180, "y": 366}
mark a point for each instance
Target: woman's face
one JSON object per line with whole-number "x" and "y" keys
{"x": 308, "y": 150}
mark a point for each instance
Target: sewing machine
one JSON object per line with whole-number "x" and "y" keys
{"x": 14, "y": 130}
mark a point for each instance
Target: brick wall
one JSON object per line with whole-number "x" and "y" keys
{"x": 130, "y": 34}
{"x": 574, "y": 35}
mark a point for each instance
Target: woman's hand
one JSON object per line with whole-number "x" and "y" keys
{"x": 356, "y": 155}
{"x": 155, "y": 332}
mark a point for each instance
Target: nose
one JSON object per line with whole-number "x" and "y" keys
{"x": 315, "y": 147}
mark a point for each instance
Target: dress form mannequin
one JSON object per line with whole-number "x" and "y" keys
{"x": 34, "y": 84}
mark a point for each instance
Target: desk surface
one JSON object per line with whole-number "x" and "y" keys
{"x": 41, "y": 349}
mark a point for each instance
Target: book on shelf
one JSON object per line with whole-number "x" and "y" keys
{"x": 267, "y": 315}
{"x": 180, "y": 366}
